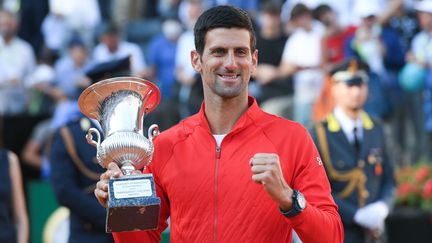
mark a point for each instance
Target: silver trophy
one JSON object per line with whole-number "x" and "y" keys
{"x": 120, "y": 105}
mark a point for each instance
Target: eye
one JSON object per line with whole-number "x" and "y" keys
{"x": 218, "y": 52}
{"x": 242, "y": 52}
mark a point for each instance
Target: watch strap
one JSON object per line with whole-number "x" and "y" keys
{"x": 295, "y": 209}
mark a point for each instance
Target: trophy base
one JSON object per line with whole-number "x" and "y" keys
{"x": 133, "y": 204}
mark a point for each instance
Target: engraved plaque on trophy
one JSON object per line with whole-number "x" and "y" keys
{"x": 120, "y": 105}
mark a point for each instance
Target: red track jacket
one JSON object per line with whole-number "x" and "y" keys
{"x": 210, "y": 197}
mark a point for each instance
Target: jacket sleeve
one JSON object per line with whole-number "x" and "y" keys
{"x": 66, "y": 188}
{"x": 320, "y": 220}
{"x": 150, "y": 235}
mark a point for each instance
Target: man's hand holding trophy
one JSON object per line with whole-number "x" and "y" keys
{"x": 120, "y": 105}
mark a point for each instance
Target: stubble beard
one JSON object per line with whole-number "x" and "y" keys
{"x": 228, "y": 91}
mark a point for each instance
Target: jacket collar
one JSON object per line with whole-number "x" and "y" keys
{"x": 334, "y": 126}
{"x": 248, "y": 117}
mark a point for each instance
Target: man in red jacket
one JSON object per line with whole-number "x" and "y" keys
{"x": 233, "y": 173}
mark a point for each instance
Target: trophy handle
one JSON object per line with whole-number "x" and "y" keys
{"x": 153, "y": 131}
{"x": 89, "y": 137}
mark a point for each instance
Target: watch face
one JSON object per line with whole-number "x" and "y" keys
{"x": 301, "y": 201}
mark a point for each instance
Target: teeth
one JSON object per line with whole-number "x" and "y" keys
{"x": 229, "y": 76}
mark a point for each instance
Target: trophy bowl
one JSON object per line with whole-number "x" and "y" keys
{"x": 120, "y": 105}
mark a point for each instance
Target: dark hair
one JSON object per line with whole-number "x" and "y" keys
{"x": 299, "y": 10}
{"x": 271, "y": 8}
{"x": 110, "y": 29}
{"x": 222, "y": 17}
{"x": 322, "y": 9}
{"x": 76, "y": 41}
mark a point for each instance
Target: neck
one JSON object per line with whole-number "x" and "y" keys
{"x": 222, "y": 114}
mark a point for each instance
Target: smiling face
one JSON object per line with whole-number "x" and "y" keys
{"x": 226, "y": 63}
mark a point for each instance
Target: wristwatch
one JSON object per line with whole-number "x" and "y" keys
{"x": 298, "y": 205}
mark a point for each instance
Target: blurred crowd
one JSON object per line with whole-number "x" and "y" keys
{"x": 48, "y": 49}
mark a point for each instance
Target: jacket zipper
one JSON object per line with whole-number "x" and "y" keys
{"x": 218, "y": 151}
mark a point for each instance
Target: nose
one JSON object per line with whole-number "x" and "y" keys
{"x": 230, "y": 62}
{"x": 355, "y": 89}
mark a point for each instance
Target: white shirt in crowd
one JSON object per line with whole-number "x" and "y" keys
{"x": 17, "y": 61}
{"x": 421, "y": 47}
{"x": 303, "y": 48}
{"x": 185, "y": 45}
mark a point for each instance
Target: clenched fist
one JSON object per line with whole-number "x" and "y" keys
{"x": 266, "y": 170}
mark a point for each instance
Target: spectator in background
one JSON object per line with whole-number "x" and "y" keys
{"x": 401, "y": 18}
{"x": 381, "y": 48}
{"x": 273, "y": 93}
{"x": 301, "y": 58}
{"x": 70, "y": 80}
{"x": 56, "y": 32}
{"x": 67, "y": 19}
{"x": 112, "y": 47}
{"x": 332, "y": 52}
{"x": 70, "y": 69}
{"x": 31, "y": 15}
{"x": 334, "y": 38}
{"x": 420, "y": 54}
{"x": 161, "y": 51}
{"x": 17, "y": 61}
{"x": 342, "y": 8}
{"x": 13, "y": 211}
{"x": 161, "y": 57}
{"x": 42, "y": 94}
{"x": 352, "y": 147}
{"x": 77, "y": 17}
{"x": 189, "y": 91}
{"x": 35, "y": 150}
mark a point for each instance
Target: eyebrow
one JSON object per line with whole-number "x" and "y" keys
{"x": 225, "y": 48}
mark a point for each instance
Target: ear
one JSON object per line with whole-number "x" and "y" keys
{"x": 196, "y": 60}
{"x": 254, "y": 61}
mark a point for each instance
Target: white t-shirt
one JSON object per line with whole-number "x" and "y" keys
{"x": 303, "y": 48}
{"x": 219, "y": 138}
{"x": 17, "y": 61}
